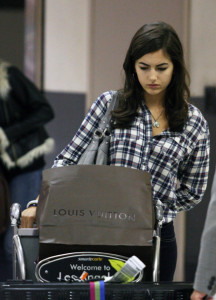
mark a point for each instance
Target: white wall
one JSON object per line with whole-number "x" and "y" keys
{"x": 202, "y": 45}
{"x": 114, "y": 23}
{"x": 66, "y": 59}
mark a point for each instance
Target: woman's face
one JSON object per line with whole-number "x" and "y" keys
{"x": 154, "y": 72}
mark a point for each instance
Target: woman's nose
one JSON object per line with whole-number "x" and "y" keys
{"x": 153, "y": 75}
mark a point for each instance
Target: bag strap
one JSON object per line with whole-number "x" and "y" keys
{"x": 104, "y": 126}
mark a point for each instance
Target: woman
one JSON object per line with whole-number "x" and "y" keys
{"x": 155, "y": 129}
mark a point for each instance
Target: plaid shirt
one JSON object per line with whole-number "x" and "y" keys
{"x": 178, "y": 162}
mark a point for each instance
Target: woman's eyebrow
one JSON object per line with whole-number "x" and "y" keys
{"x": 159, "y": 65}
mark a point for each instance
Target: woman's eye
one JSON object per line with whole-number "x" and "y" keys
{"x": 162, "y": 69}
{"x": 147, "y": 68}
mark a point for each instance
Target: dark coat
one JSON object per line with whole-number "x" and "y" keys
{"x": 23, "y": 113}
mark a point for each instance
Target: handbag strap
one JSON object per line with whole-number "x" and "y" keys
{"x": 104, "y": 126}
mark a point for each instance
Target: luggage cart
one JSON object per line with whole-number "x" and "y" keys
{"x": 26, "y": 249}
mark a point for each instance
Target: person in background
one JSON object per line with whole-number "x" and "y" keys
{"x": 23, "y": 143}
{"x": 205, "y": 277}
{"x": 154, "y": 129}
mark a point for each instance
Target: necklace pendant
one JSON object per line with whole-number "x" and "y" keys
{"x": 156, "y": 124}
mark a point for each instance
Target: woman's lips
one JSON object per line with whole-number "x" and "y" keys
{"x": 153, "y": 86}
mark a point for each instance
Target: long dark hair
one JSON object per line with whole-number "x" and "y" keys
{"x": 151, "y": 38}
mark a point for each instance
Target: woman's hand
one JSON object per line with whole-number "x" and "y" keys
{"x": 28, "y": 217}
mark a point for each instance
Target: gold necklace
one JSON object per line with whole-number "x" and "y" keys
{"x": 156, "y": 124}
